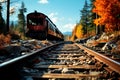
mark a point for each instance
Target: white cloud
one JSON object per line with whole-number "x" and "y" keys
{"x": 53, "y": 17}
{"x": 43, "y": 1}
{"x": 12, "y": 10}
{"x": 69, "y": 26}
{"x": 2, "y": 1}
{"x": 53, "y": 14}
{"x": 61, "y": 22}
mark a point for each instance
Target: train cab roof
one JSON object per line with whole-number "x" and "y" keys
{"x": 35, "y": 13}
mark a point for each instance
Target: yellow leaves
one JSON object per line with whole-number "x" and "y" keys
{"x": 79, "y": 31}
{"x": 72, "y": 38}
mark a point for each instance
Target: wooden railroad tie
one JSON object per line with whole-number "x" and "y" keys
{"x": 65, "y": 76}
{"x": 68, "y": 66}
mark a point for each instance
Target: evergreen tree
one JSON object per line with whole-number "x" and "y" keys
{"x": 92, "y": 15}
{"x": 2, "y": 22}
{"x": 84, "y": 18}
{"x": 21, "y": 18}
{"x": 12, "y": 26}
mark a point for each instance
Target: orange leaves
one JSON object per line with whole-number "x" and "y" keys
{"x": 97, "y": 21}
{"x": 100, "y": 5}
{"x": 109, "y": 13}
{"x": 7, "y": 39}
{"x": 4, "y": 40}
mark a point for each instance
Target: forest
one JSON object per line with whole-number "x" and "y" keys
{"x": 98, "y": 16}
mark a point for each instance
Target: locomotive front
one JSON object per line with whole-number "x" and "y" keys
{"x": 36, "y": 25}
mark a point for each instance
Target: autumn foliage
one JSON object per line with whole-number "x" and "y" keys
{"x": 108, "y": 12}
{"x": 4, "y": 40}
{"x": 77, "y": 32}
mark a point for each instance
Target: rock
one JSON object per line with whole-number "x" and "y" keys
{"x": 108, "y": 46}
{"x": 64, "y": 70}
{"x": 70, "y": 72}
{"x": 56, "y": 70}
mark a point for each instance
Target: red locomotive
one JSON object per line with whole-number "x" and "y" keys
{"x": 39, "y": 26}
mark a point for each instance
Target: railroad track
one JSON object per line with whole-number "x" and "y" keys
{"x": 67, "y": 62}
{"x": 114, "y": 65}
{"x": 9, "y": 69}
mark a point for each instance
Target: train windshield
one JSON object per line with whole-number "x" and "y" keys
{"x": 35, "y": 21}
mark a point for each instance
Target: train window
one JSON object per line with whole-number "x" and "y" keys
{"x": 50, "y": 26}
{"x": 35, "y": 21}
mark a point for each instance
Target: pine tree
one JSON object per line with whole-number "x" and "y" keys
{"x": 92, "y": 16}
{"x": 2, "y": 22}
{"x": 12, "y": 26}
{"x": 84, "y": 18}
{"x": 98, "y": 28}
{"x": 21, "y": 18}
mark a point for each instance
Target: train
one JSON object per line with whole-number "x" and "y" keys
{"x": 39, "y": 26}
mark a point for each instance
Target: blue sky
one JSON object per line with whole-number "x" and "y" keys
{"x": 64, "y": 13}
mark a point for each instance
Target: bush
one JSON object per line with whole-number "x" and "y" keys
{"x": 4, "y": 39}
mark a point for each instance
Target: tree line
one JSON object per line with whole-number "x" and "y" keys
{"x": 98, "y": 16}
{"x": 13, "y": 28}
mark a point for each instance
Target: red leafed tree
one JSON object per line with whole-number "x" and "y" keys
{"x": 109, "y": 14}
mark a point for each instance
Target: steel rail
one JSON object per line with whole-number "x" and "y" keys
{"x": 112, "y": 64}
{"x": 25, "y": 57}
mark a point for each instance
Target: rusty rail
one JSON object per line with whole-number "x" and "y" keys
{"x": 112, "y": 64}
